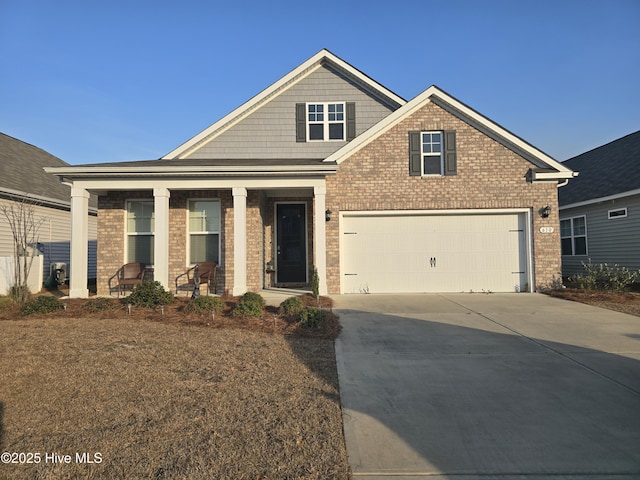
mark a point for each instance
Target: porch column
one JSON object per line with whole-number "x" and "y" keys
{"x": 161, "y": 237}
{"x": 239, "y": 240}
{"x": 79, "y": 243}
{"x": 320, "y": 237}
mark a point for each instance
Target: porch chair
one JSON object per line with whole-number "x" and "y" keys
{"x": 203, "y": 272}
{"x": 128, "y": 275}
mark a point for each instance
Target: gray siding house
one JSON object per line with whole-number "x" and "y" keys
{"x": 22, "y": 179}
{"x": 600, "y": 209}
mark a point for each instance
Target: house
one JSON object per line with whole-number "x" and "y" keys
{"x": 327, "y": 169}
{"x": 22, "y": 179}
{"x": 600, "y": 210}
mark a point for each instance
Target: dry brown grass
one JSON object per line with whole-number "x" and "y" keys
{"x": 160, "y": 400}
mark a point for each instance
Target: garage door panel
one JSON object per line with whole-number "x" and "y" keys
{"x": 433, "y": 253}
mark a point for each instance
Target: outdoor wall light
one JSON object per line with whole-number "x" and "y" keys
{"x": 545, "y": 211}
{"x": 327, "y": 215}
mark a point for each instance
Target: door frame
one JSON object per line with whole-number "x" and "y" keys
{"x": 306, "y": 238}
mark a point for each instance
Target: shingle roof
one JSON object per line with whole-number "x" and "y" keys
{"x": 607, "y": 170}
{"x": 21, "y": 170}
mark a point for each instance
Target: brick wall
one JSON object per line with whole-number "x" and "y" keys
{"x": 490, "y": 176}
{"x": 111, "y": 234}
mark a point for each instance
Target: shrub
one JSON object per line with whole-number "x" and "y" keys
{"x": 250, "y": 305}
{"x": 292, "y": 306}
{"x": 315, "y": 284}
{"x": 205, "y": 304}
{"x": 253, "y": 297}
{"x": 605, "y": 277}
{"x": 100, "y": 304}
{"x": 6, "y": 303}
{"x": 313, "y": 317}
{"x": 42, "y": 304}
{"x": 149, "y": 294}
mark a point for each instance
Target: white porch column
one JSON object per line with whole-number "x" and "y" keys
{"x": 320, "y": 237}
{"x": 79, "y": 243}
{"x": 161, "y": 237}
{"x": 239, "y": 240}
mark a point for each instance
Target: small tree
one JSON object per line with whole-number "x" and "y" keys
{"x": 24, "y": 226}
{"x": 315, "y": 285}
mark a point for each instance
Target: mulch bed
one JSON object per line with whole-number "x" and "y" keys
{"x": 625, "y": 302}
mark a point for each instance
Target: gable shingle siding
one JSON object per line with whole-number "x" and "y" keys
{"x": 270, "y": 131}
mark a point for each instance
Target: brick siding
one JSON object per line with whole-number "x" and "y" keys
{"x": 489, "y": 176}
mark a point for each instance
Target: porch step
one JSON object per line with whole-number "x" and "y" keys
{"x": 275, "y": 296}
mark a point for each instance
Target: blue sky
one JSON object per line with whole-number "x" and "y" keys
{"x": 131, "y": 80}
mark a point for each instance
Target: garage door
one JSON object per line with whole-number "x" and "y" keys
{"x": 434, "y": 253}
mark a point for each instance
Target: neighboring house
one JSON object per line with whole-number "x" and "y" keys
{"x": 600, "y": 210}
{"x": 22, "y": 179}
{"x": 328, "y": 169}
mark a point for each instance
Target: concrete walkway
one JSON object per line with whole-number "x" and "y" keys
{"x": 499, "y": 386}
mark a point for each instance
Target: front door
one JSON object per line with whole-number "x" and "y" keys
{"x": 291, "y": 243}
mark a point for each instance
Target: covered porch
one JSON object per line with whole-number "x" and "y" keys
{"x": 271, "y": 223}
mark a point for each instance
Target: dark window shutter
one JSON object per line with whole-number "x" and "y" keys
{"x": 450, "y": 156}
{"x": 415, "y": 157}
{"x": 301, "y": 122}
{"x": 351, "y": 120}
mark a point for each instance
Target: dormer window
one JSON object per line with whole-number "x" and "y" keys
{"x": 325, "y": 121}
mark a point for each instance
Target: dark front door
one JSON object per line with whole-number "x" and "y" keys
{"x": 291, "y": 243}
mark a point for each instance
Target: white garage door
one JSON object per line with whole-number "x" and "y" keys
{"x": 434, "y": 253}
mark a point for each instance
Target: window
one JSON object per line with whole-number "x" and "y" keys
{"x": 432, "y": 153}
{"x": 322, "y": 121}
{"x": 618, "y": 213}
{"x": 140, "y": 227}
{"x": 204, "y": 231}
{"x": 325, "y": 121}
{"x": 573, "y": 235}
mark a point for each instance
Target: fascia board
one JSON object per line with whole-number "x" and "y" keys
{"x": 296, "y": 74}
{"x": 439, "y": 97}
{"x": 188, "y": 170}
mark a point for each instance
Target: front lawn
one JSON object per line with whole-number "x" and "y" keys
{"x": 167, "y": 396}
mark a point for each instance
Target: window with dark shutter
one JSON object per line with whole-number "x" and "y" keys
{"x": 432, "y": 153}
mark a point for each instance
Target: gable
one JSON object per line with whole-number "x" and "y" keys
{"x": 270, "y": 131}
{"x": 322, "y": 60}
{"x": 545, "y": 167}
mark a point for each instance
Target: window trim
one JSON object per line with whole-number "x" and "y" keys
{"x": 326, "y": 122}
{"x": 423, "y": 154}
{"x": 128, "y": 234}
{"x": 573, "y": 237}
{"x": 615, "y": 217}
{"x": 189, "y": 232}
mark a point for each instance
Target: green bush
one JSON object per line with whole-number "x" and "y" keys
{"x": 292, "y": 306}
{"x": 100, "y": 304}
{"x": 205, "y": 304}
{"x": 42, "y": 304}
{"x": 313, "y": 317}
{"x": 604, "y": 277}
{"x": 149, "y": 294}
{"x": 251, "y": 304}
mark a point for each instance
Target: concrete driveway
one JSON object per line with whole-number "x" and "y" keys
{"x": 498, "y": 386}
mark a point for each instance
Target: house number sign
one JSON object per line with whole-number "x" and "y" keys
{"x": 546, "y": 229}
